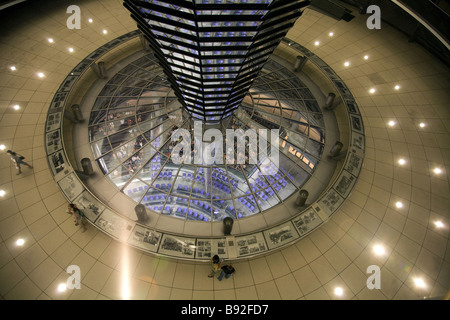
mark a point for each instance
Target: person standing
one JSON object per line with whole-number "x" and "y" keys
{"x": 77, "y": 216}
{"x": 226, "y": 271}
{"x": 216, "y": 263}
{"x": 18, "y": 160}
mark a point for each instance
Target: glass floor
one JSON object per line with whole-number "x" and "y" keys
{"x": 136, "y": 112}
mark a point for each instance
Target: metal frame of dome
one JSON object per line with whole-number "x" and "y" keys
{"x": 130, "y": 133}
{"x": 302, "y": 221}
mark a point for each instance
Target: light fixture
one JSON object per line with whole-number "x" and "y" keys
{"x": 419, "y": 283}
{"x": 105, "y": 31}
{"x": 13, "y": 68}
{"x": 316, "y": 43}
{"x": 62, "y": 287}
{"x": 401, "y": 161}
{"x": 331, "y": 34}
{"x": 422, "y": 125}
{"x": 20, "y": 242}
{"x": 2, "y": 193}
{"x": 2, "y": 147}
{"x": 373, "y": 90}
{"x": 397, "y": 87}
{"x": 90, "y": 20}
{"x": 379, "y": 250}
{"x": 399, "y": 204}
{"x": 40, "y": 74}
{"x": 439, "y": 224}
{"x": 338, "y": 291}
{"x": 70, "y": 49}
{"x": 50, "y": 40}
{"x": 437, "y": 170}
{"x": 391, "y": 123}
{"x": 366, "y": 57}
{"x": 16, "y": 107}
{"x": 346, "y": 63}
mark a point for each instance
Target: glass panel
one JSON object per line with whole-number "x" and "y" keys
{"x": 314, "y": 148}
{"x": 246, "y": 206}
{"x": 238, "y": 184}
{"x": 139, "y": 129}
{"x": 298, "y": 176}
{"x": 222, "y": 209}
{"x": 267, "y": 198}
{"x": 108, "y": 162}
{"x": 97, "y": 117}
{"x": 100, "y": 147}
{"x": 131, "y": 165}
{"x": 151, "y": 168}
{"x": 108, "y": 91}
{"x": 135, "y": 190}
{"x": 199, "y": 209}
{"x": 183, "y": 183}
{"x": 97, "y": 132}
{"x": 221, "y": 188}
{"x": 101, "y": 103}
{"x": 179, "y": 206}
{"x": 155, "y": 200}
{"x": 201, "y": 188}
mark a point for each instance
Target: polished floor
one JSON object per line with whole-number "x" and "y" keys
{"x": 397, "y": 217}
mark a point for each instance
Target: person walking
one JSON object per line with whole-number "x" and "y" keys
{"x": 77, "y": 215}
{"x": 216, "y": 262}
{"x": 18, "y": 160}
{"x": 226, "y": 271}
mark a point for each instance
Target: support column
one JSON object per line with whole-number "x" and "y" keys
{"x": 300, "y": 63}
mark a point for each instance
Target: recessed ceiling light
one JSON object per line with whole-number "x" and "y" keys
{"x": 16, "y": 107}
{"x": 2, "y": 147}
{"x": 90, "y": 20}
{"x": 419, "y": 283}
{"x": 438, "y": 224}
{"x": 316, "y": 43}
{"x": 391, "y": 123}
{"x": 70, "y": 49}
{"x": 62, "y": 287}
{"x": 379, "y": 250}
{"x": 50, "y": 40}
{"x": 399, "y": 204}
{"x": 2, "y": 193}
{"x": 331, "y": 34}
{"x": 397, "y": 87}
{"x": 422, "y": 125}
{"x": 338, "y": 291}
{"x": 373, "y": 90}
{"x": 41, "y": 74}
{"x": 105, "y": 31}
{"x": 13, "y": 68}
{"x": 20, "y": 242}
{"x": 366, "y": 57}
{"x": 346, "y": 63}
{"x": 437, "y": 170}
{"x": 402, "y": 161}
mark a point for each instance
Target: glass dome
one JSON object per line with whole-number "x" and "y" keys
{"x": 131, "y": 126}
